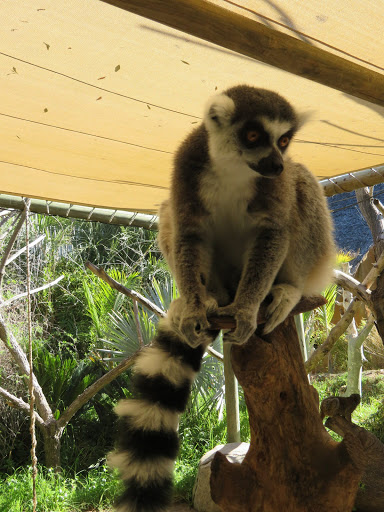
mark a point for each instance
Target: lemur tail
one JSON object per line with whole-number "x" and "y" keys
{"x": 148, "y": 442}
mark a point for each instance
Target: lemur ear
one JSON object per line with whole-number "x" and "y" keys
{"x": 219, "y": 111}
{"x": 304, "y": 117}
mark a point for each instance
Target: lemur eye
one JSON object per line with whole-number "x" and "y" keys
{"x": 284, "y": 141}
{"x": 253, "y": 135}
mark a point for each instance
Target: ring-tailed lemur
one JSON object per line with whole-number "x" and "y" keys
{"x": 148, "y": 441}
{"x": 243, "y": 221}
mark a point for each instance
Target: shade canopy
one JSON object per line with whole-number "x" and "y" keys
{"x": 95, "y": 99}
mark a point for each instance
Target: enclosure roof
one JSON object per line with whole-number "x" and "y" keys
{"x": 96, "y": 99}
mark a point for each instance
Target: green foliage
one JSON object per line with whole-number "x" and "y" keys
{"x": 122, "y": 337}
{"x": 96, "y": 490}
{"x": 63, "y": 379}
{"x": 101, "y": 299}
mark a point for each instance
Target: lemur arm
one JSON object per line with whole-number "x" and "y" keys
{"x": 262, "y": 264}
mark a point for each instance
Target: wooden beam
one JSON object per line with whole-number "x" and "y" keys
{"x": 353, "y": 181}
{"x": 253, "y": 39}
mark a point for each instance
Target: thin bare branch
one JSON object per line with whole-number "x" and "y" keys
{"x": 374, "y": 273}
{"x": 7, "y": 218}
{"x": 6, "y": 212}
{"x": 9, "y": 228}
{"x": 362, "y": 336}
{"x": 17, "y": 254}
{"x": 35, "y": 290}
{"x": 21, "y": 360}
{"x": 378, "y": 205}
{"x": 352, "y": 285}
{"x": 345, "y": 320}
{"x": 215, "y": 354}
{"x": 333, "y": 336}
{"x": 94, "y": 388}
{"x": 99, "y": 272}
{"x": 19, "y": 404}
{"x": 12, "y": 240}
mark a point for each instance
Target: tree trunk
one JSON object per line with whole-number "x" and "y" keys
{"x": 355, "y": 356}
{"x": 375, "y": 221}
{"x": 52, "y": 445}
{"x": 292, "y": 465}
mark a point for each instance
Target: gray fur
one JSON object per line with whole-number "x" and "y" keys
{"x": 243, "y": 221}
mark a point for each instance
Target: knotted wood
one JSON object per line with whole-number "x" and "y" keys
{"x": 292, "y": 465}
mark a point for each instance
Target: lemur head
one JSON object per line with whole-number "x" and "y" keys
{"x": 254, "y": 126}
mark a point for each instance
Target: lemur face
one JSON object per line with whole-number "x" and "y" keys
{"x": 251, "y": 126}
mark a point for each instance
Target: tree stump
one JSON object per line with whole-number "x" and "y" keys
{"x": 292, "y": 465}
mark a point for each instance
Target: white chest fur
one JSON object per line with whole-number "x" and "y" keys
{"x": 226, "y": 190}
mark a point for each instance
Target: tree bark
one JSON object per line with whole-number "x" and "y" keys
{"x": 52, "y": 445}
{"x": 370, "y": 495}
{"x": 375, "y": 221}
{"x": 292, "y": 465}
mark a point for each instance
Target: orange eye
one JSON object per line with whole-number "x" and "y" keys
{"x": 253, "y": 135}
{"x": 284, "y": 141}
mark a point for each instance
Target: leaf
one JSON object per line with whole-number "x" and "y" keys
{"x": 101, "y": 78}
{"x": 47, "y": 45}
{"x": 117, "y": 68}
{"x": 185, "y": 62}
{"x": 148, "y": 107}
{"x": 14, "y": 70}
{"x": 99, "y": 98}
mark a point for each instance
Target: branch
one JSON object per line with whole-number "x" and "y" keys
{"x": 20, "y": 404}
{"x": 305, "y": 304}
{"x": 333, "y": 336}
{"x": 94, "y": 388}
{"x": 6, "y": 212}
{"x": 362, "y": 335}
{"x": 99, "y": 272}
{"x": 374, "y": 273}
{"x": 354, "y": 286}
{"x": 22, "y": 362}
{"x": 17, "y": 254}
{"x": 211, "y": 351}
{"x": 35, "y": 290}
{"x": 345, "y": 320}
{"x": 378, "y": 205}
{"x": 12, "y": 240}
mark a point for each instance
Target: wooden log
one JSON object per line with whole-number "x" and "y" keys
{"x": 292, "y": 465}
{"x": 305, "y": 304}
{"x": 249, "y": 37}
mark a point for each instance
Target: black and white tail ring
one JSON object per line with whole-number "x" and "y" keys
{"x": 148, "y": 441}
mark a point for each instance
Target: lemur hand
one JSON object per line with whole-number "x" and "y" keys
{"x": 191, "y": 321}
{"x": 246, "y": 322}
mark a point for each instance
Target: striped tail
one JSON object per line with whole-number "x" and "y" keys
{"x": 148, "y": 442}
